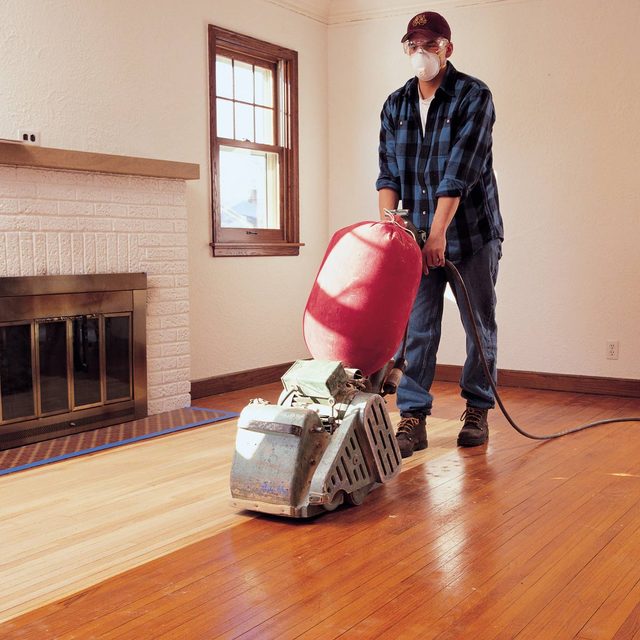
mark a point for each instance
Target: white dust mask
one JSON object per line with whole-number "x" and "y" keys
{"x": 426, "y": 65}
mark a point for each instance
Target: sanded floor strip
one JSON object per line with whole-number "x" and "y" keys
{"x": 71, "y": 525}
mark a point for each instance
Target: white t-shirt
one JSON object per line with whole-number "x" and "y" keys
{"x": 424, "y": 110}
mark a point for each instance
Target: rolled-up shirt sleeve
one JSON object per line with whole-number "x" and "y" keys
{"x": 471, "y": 146}
{"x": 389, "y": 176}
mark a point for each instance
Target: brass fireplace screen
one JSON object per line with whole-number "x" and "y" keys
{"x": 72, "y": 354}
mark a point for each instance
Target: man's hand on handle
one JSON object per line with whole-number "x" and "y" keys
{"x": 433, "y": 251}
{"x": 436, "y": 244}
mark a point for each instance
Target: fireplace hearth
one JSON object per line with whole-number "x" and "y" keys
{"x": 72, "y": 354}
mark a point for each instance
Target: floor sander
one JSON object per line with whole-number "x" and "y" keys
{"x": 329, "y": 439}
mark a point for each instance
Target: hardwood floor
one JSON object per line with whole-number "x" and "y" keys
{"x": 518, "y": 539}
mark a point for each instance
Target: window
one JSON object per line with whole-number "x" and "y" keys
{"x": 253, "y": 102}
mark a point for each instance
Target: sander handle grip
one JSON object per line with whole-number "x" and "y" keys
{"x": 391, "y": 382}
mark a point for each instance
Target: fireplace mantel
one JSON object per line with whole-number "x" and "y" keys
{"x": 24, "y": 155}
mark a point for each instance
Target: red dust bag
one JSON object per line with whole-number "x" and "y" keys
{"x": 361, "y": 299}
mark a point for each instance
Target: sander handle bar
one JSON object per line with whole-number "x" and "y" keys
{"x": 392, "y": 379}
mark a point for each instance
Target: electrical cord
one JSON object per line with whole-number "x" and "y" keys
{"x": 453, "y": 272}
{"x": 449, "y": 267}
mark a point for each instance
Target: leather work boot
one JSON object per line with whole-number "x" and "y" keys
{"x": 475, "y": 430}
{"x": 411, "y": 434}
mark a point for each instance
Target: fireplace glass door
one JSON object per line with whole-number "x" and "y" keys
{"x": 16, "y": 372}
{"x": 54, "y": 365}
{"x": 73, "y": 354}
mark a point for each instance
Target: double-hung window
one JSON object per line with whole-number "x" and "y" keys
{"x": 254, "y": 146}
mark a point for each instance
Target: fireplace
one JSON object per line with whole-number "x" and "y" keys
{"x": 72, "y": 354}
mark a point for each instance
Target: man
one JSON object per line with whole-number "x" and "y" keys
{"x": 435, "y": 156}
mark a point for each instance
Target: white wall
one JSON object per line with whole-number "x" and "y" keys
{"x": 123, "y": 77}
{"x": 566, "y": 87}
{"x": 131, "y": 78}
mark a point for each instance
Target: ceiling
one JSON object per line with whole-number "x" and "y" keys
{"x": 332, "y": 12}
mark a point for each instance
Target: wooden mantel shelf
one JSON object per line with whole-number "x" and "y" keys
{"x": 23, "y": 155}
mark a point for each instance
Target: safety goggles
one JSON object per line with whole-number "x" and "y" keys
{"x": 430, "y": 46}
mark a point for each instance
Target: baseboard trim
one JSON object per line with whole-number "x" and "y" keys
{"x": 238, "y": 380}
{"x": 624, "y": 387}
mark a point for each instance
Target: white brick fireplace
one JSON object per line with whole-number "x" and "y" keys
{"x": 57, "y": 222}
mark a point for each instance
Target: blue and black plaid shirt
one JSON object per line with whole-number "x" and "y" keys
{"x": 453, "y": 158}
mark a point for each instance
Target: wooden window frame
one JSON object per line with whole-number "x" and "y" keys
{"x": 284, "y": 241}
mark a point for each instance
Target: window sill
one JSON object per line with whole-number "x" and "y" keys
{"x": 220, "y": 249}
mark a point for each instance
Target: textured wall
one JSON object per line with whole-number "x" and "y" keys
{"x": 131, "y": 78}
{"x": 566, "y": 88}
{"x": 67, "y": 222}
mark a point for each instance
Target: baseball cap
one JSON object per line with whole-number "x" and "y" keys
{"x": 428, "y": 24}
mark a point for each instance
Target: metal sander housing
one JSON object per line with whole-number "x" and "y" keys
{"x": 329, "y": 439}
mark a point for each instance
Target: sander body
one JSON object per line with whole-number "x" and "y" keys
{"x": 329, "y": 440}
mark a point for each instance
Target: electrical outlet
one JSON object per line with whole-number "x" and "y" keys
{"x": 29, "y": 137}
{"x": 613, "y": 350}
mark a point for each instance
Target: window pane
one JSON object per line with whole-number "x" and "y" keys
{"x": 117, "y": 358}
{"x": 244, "y": 122}
{"x": 52, "y": 344}
{"x": 224, "y": 77}
{"x": 264, "y": 125}
{"x": 243, "y": 76}
{"x": 249, "y": 192}
{"x": 86, "y": 361}
{"x": 16, "y": 380}
{"x": 224, "y": 118}
{"x": 264, "y": 86}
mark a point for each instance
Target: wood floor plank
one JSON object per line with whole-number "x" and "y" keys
{"x": 228, "y": 594}
{"x": 407, "y": 602}
{"x": 601, "y": 574}
{"x": 477, "y": 604}
{"x": 191, "y": 613}
{"x": 630, "y": 628}
{"x": 507, "y": 539}
{"x": 618, "y": 605}
{"x": 98, "y": 508}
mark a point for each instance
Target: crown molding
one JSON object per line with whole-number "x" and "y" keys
{"x": 342, "y": 12}
{"x": 317, "y": 10}
{"x": 346, "y": 11}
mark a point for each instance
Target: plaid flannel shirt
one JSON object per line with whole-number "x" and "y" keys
{"x": 452, "y": 157}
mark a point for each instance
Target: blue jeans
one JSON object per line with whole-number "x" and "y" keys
{"x": 479, "y": 272}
